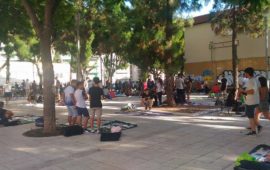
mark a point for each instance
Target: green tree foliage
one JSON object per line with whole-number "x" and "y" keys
{"x": 86, "y": 10}
{"x": 27, "y": 49}
{"x": 111, "y": 35}
{"x": 157, "y": 36}
{"x": 238, "y": 16}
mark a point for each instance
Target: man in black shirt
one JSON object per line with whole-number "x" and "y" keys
{"x": 147, "y": 99}
{"x": 5, "y": 115}
{"x": 223, "y": 87}
{"x": 95, "y": 97}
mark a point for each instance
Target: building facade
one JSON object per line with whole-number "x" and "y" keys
{"x": 210, "y": 55}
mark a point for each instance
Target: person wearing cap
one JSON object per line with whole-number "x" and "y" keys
{"x": 95, "y": 96}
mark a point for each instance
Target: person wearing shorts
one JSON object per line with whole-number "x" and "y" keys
{"x": 70, "y": 102}
{"x": 264, "y": 103}
{"x": 80, "y": 98}
{"x": 252, "y": 98}
{"x": 8, "y": 92}
{"x": 95, "y": 96}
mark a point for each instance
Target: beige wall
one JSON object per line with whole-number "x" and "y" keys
{"x": 198, "y": 37}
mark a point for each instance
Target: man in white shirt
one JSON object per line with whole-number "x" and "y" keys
{"x": 7, "y": 91}
{"x": 80, "y": 97}
{"x": 27, "y": 87}
{"x": 70, "y": 102}
{"x": 179, "y": 85}
{"x": 252, "y": 98}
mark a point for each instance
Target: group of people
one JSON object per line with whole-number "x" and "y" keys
{"x": 24, "y": 89}
{"x": 153, "y": 91}
{"x": 256, "y": 100}
{"x": 75, "y": 96}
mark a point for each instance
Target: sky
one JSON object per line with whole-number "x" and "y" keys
{"x": 203, "y": 11}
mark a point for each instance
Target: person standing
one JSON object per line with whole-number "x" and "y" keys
{"x": 34, "y": 89}
{"x": 27, "y": 87}
{"x": 95, "y": 97}
{"x": 252, "y": 98}
{"x": 223, "y": 87}
{"x": 7, "y": 91}
{"x": 179, "y": 85}
{"x": 57, "y": 85}
{"x": 188, "y": 88}
{"x": 70, "y": 102}
{"x": 80, "y": 98}
{"x": 160, "y": 88}
{"x": 264, "y": 103}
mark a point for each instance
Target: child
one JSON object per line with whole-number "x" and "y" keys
{"x": 80, "y": 98}
{"x": 95, "y": 96}
{"x": 147, "y": 100}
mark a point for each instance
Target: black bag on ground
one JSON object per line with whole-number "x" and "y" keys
{"x": 73, "y": 130}
{"x": 39, "y": 122}
{"x": 107, "y": 136}
{"x": 11, "y": 123}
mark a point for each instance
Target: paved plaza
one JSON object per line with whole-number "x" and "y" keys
{"x": 182, "y": 141}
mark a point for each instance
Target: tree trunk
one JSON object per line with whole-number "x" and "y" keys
{"x": 8, "y": 69}
{"x": 168, "y": 55}
{"x": 82, "y": 57}
{"x": 48, "y": 82}
{"x": 234, "y": 52}
{"x": 39, "y": 72}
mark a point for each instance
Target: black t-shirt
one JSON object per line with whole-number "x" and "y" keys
{"x": 95, "y": 96}
{"x": 223, "y": 83}
{"x": 3, "y": 116}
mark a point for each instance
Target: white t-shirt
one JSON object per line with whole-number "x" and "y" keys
{"x": 7, "y": 88}
{"x": 252, "y": 99}
{"x": 27, "y": 85}
{"x": 159, "y": 87}
{"x": 80, "y": 101}
{"x": 68, "y": 99}
{"x": 179, "y": 83}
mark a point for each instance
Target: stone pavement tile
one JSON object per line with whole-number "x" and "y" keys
{"x": 23, "y": 163}
{"x": 52, "y": 168}
{"x": 176, "y": 162}
{"x": 210, "y": 158}
{"x": 4, "y": 167}
{"x": 197, "y": 165}
{"x": 109, "y": 156}
{"x": 151, "y": 166}
{"x": 87, "y": 163}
